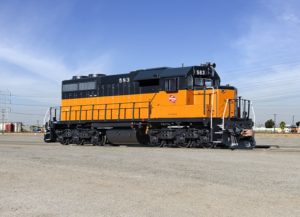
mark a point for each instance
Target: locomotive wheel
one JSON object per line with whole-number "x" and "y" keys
{"x": 79, "y": 142}
{"x": 207, "y": 145}
{"x": 188, "y": 144}
{"x": 99, "y": 141}
{"x": 194, "y": 144}
{"x": 95, "y": 142}
{"x": 163, "y": 143}
{"x": 66, "y": 141}
{"x": 102, "y": 140}
{"x": 183, "y": 145}
{"x": 82, "y": 142}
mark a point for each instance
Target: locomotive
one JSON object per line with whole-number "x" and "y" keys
{"x": 166, "y": 107}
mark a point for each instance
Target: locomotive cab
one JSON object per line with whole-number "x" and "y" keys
{"x": 203, "y": 76}
{"x": 232, "y": 125}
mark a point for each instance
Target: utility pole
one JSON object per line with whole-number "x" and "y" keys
{"x": 274, "y": 121}
{"x": 38, "y": 125}
{"x": 5, "y": 101}
{"x": 3, "y": 119}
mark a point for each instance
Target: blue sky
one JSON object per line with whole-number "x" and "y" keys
{"x": 255, "y": 45}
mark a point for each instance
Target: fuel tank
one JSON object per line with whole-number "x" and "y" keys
{"x": 127, "y": 137}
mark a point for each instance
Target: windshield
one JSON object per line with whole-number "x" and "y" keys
{"x": 208, "y": 83}
{"x": 200, "y": 82}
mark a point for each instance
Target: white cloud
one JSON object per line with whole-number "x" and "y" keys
{"x": 28, "y": 74}
{"x": 270, "y": 53}
{"x": 291, "y": 18}
{"x": 98, "y": 65}
{"x": 40, "y": 66}
{"x": 29, "y": 65}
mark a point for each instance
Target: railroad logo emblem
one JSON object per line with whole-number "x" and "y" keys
{"x": 172, "y": 98}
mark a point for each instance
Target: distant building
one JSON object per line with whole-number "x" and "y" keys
{"x": 11, "y": 127}
{"x": 287, "y": 129}
{"x": 291, "y": 129}
{"x": 266, "y": 130}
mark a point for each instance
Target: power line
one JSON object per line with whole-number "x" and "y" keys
{"x": 21, "y": 113}
{"x": 259, "y": 69}
{"x": 27, "y": 96}
{"x": 30, "y": 105}
{"x": 260, "y": 66}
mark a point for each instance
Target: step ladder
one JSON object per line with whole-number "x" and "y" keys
{"x": 219, "y": 132}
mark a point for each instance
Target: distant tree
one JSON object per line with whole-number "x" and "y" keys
{"x": 269, "y": 123}
{"x": 282, "y": 125}
{"x": 298, "y": 124}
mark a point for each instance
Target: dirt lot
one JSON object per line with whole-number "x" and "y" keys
{"x": 38, "y": 179}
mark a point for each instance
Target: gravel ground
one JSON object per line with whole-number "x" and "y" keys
{"x": 39, "y": 179}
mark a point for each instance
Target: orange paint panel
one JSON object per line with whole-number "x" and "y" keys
{"x": 181, "y": 104}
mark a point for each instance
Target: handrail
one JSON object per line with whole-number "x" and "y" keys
{"x": 108, "y": 104}
{"x": 211, "y": 113}
{"x": 47, "y": 115}
{"x": 212, "y": 107}
{"x": 253, "y": 112}
{"x": 223, "y": 117}
{"x": 244, "y": 115}
{"x": 108, "y": 108}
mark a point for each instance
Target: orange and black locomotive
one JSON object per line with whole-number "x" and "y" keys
{"x": 167, "y": 107}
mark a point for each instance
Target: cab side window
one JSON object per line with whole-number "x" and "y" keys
{"x": 171, "y": 85}
{"x": 190, "y": 81}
